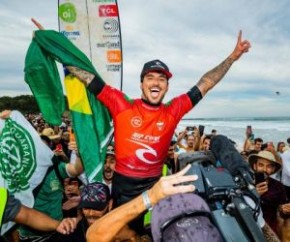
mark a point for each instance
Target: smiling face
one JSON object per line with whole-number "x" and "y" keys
{"x": 154, "y": 87}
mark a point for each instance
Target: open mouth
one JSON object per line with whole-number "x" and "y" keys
{"x": 154, "y": 92}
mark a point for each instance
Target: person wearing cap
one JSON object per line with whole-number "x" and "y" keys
{"x": 143, "y": 127}
{"x": 118, "y": 218}
{"x": 147, "y": 124}
{"x": 109, "y": 168}
{"x": 272, "y": 192}
{"x": 95, "y": 201}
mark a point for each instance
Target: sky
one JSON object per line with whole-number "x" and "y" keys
{"x": 191, "y": 37}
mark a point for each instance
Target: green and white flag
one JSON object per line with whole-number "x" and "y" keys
{"x": 24, "y": 159}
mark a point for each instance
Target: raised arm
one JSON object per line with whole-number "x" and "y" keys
{"x": 82, "y": 75}
{"x": 119, "y": 217}
{"x": 76, "y": 168}
{"x": 211, "y": 78}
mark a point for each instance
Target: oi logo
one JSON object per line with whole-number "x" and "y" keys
{"x": 17, "y": 156}
{"x": 67, "y": 12}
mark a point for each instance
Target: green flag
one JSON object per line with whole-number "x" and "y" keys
{"x": 91, "y": 120}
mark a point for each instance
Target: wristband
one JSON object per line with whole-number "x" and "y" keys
{"x": 146, "y": 200}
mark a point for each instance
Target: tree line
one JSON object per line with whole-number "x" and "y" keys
{"x": 22, "y": 103}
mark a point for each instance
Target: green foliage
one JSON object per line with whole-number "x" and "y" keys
{"x": 23, "y": 103}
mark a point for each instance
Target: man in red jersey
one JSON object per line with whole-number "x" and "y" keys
{"x": 144, "y": 127}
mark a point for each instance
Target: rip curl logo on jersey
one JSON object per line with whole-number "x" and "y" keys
{"x": 144, "y": 152}
{"x": 160, "y": 125}
{"x": 136, "y": 122}
{"x": 17, "y": 156}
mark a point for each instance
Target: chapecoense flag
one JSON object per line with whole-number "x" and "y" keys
{"x": 24, "y": 159}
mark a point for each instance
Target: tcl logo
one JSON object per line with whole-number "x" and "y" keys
{"x": 108, "y": 11}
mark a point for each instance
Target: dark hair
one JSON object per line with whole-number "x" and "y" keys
{"x": 278, "y": 145}
{"x": 172, "y": 142}
{"x": 208, "y": 136}
{"x": 45, "y": 139}
{"x": 288, "y": 141}
{"x": 258, "y": 140}
{"x": 264, "y": 146}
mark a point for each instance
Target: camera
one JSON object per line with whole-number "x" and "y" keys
{"x": 227, "y": 197}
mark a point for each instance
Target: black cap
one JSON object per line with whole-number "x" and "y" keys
{"x": 156, "y": 65}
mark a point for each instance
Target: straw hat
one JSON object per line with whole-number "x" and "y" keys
{"x": 50, "y": 133}
{"x": 264, "y": 154}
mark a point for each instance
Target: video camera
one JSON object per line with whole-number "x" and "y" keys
{"x": 232, "y": 198}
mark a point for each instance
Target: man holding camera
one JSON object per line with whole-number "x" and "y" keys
{"x": 272, "y": 192}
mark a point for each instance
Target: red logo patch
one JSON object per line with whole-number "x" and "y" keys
{"x": 108, "y": 11}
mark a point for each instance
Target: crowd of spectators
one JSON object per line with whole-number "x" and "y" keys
{"x": 89, "y": 202}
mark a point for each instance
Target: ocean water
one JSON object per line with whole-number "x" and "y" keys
{"x": 273, "y": 129}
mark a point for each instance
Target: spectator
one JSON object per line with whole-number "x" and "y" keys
{"x": 109, "y": 168}
{"x": 205, "y": 142}
{"x": 280, "y": 147}
{"x": 258, "y": 144}
{"x": 13, "y": 210}
{"x": 288, "y": 141}
{"x": 171, "y": 158}
{"x": 121, "y": 216}
{"x": 49, "y": 196}
{"x": 272, "y": 192}
{"x": 192, "y": 139}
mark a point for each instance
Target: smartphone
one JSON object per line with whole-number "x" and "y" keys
{"x": 201, "y": 130}
{"x": 189, "y": 128}
{"x": 71, "y": 135}
{"x": 259, "y": 177}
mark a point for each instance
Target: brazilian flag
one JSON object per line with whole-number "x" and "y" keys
{"x": 92, "y": 123}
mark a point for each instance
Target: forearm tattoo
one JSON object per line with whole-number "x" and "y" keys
{"x": 269, "y": 234}
{"x": 82, "y": 75}
{"x": 212, "y": 77}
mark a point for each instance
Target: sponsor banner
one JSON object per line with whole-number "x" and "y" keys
{"x": 24, "y": 159}
{"x": 94, "y": 27}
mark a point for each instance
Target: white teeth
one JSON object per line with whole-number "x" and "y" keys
{"x": 154, "y": 89}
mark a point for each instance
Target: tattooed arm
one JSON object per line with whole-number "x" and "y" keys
{"x": 82, "y": 75}
{"x": 211, "y": 78}
{"x": 269, "y": 234}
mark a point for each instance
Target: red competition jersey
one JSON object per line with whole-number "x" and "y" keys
{"x": 142, "y": 132}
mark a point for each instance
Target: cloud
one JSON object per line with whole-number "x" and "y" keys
{"x": 191, "y": 37}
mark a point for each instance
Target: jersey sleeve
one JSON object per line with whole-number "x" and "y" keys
{"x": 12, "y": 209}
{"x": 179, "y": 106}
{"x": 115, "y": 100}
